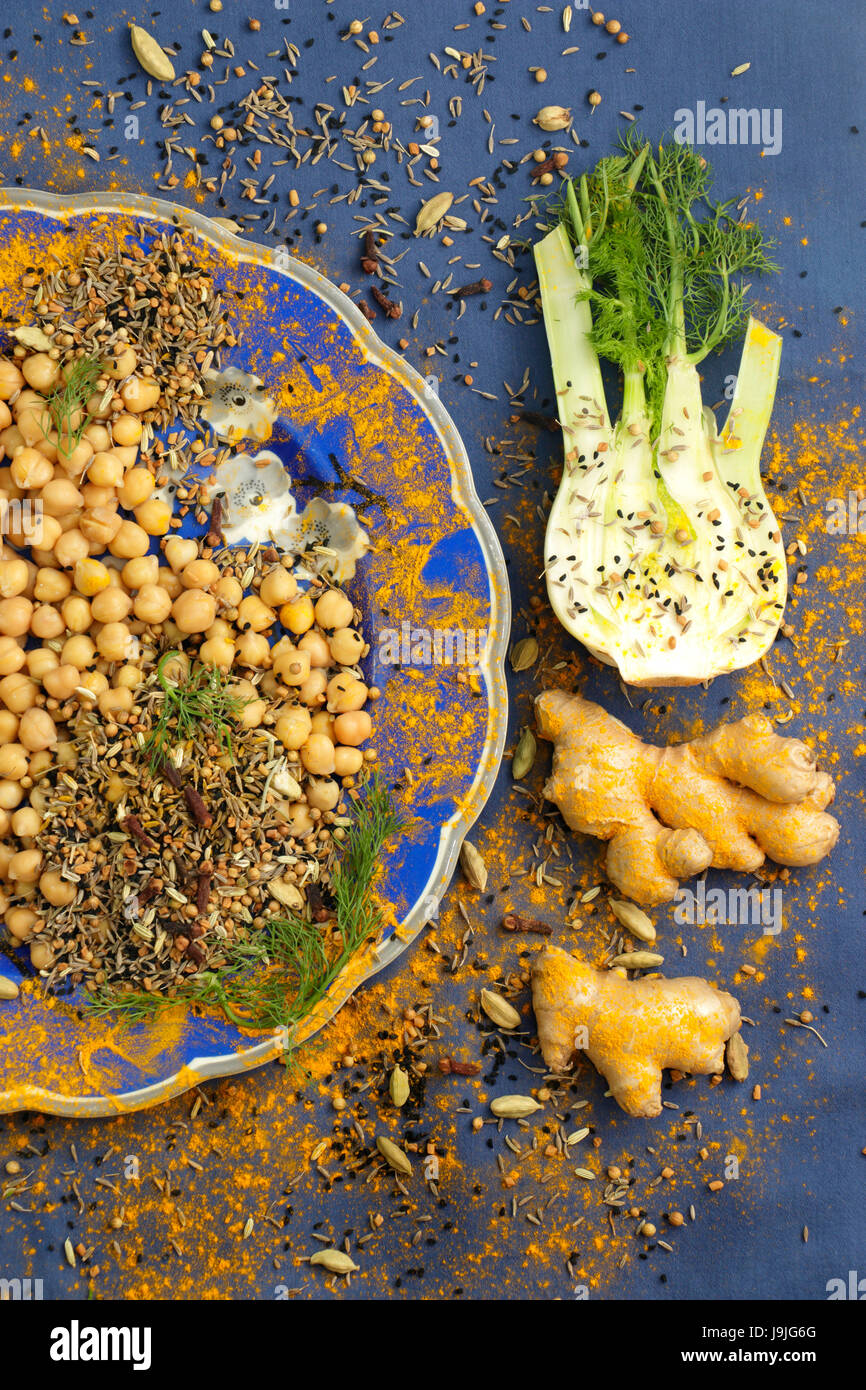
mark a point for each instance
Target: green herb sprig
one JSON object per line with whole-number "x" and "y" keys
{"x": 68, "y": 399}
{"x": 203, "y": 699}
{"x": 275, "y": 978}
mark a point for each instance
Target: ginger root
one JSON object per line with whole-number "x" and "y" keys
{"x": 630, "y": 1029}
{"x": 731, "y": 798}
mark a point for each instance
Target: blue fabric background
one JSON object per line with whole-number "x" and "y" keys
{"x": 806, "y": 59}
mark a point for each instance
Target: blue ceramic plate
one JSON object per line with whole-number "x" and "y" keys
{"x": 354, "y": 424}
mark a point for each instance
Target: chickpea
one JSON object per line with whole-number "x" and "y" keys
{"x": 293, "y": 727}
{"x": 278, "y": 587}
{"x": 106, "y": 469}
{"x": 253, "y": 650}
{"x": 14, "y": 578}
{"x": 77, "y": 613}
{"x": 347, "y": 646}
{"x": 199, "y": 574}
{"x": 128, "y": 456}
{"x": 228, "y": 591}
{"x": 180, "y": 551}
{"x": 50, "y": 586}
{"x": 99, "y": 406}
{"x": 11, "y": 439}
{"x": 40, "y": 371}
{"x": 315, "y": 644}
{"x": 74, "y": 458}
{"x": 30, "y": 468}
{"x": 11, "y": 380}
{"x": 322, "y": 794}
{"x": 194, "y": 610}
{"x": 126, "y": 430}
{"x": 137, "y": 488}
{"x": 41, "y": 955}
{"x": 39, "y": 765}
{"x": 40, "y": 660}
{"x": 292, "y": 666}
{"x": 37, "y": 730}
{"x": 297, "y": 616}
{"x": 299, "y": 820}
{"x": 29, "y": 421}
{"x": 61, "y": 683}
{"x": 254, "y": 710}
{"x": 49, "y": 534}
{"x": 56, "y": 890}
{"x": 220, "y": 628}
{"x": 154, "y": 515}
{"x": 93, "y": 681}
{"x": 114, "y": 701}
{"x": 111, "y": 605}
{"x": 60, "y": 496}
{"x": 8, "y": 726}
{"x": 129, "y": 677}
{"x": 11, "y": 795}
{"x": 255, "y": 615}
{"x": 5, "y": 416}
{"x": 98, "y": 436}
{"x": 15, "y": 615}
{"x": 139, "y": 394}
{"x": 13, "y": 762}
{"x": 100, "y": 525}
{"x": 90, "y": 577}
{"x": 131, "y": 540}
{"x": 20, "y": 922}
{"x": 345, "y": 692}
{"x": 121, "y": 362}
{"x": 169, "y": 581}
{"x": 70, "y": 547}
{"x": 218, "y": 651}
{"x": 26, "y": 865}
{"x": 115, "y": 642}
{"x": 323, "y": 723}
{"x": 317, "y": 755}
{"x": 312, "y": 692}
{"x": 333, "y": 610}
{"x": 26, "y": 823}
{"x": 78, "y": 651}
{"x": 152, "y": 604}
{"x": 12, "y": 656}
{"x": 347, "y": 761}
{"x": 353, "y": 728}
{"x": 144, "y": 569}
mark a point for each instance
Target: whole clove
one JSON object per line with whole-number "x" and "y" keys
{"x": 135, "y": 828}
{"x": 197, "y": 808}
{"x": 391, "y": 309}
{"x": 533, "y": 417}
{"x": 449, "y": 1066}
{"x": 482, "y": 286}
{"x": 515, "y": 921}
{"x": 202, "y": 888}
{"x": 369, "y": 260}
{"x": 369, "y": 314}
{"x": 214, "y": 537}
{"x": 556, "y": 161}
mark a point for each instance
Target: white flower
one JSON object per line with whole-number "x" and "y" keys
{"x": 237, "y": 407}
{"x": 334, "y": 526}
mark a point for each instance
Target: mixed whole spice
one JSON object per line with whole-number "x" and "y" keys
{"x": 175, "y": 777}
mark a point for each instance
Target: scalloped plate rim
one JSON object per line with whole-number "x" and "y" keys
{"x": 492, "y": 666}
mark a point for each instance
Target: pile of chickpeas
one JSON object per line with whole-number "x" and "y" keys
{"x": 85, "y": 612}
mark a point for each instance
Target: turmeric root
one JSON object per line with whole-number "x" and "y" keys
{"x": 729, "y": 799}
{"x": 630, "y": 1029}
